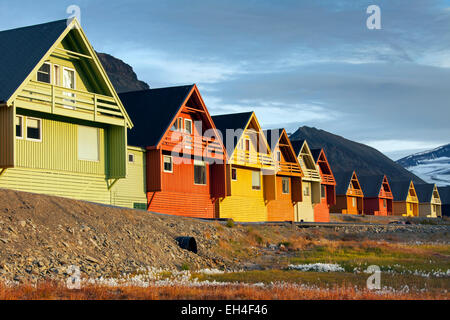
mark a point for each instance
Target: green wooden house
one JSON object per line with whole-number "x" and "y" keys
{"x": 63, "y": 129}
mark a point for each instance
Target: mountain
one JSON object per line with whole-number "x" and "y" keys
{"x": 347, "y": 155}
{"x": 121, "y": 74}
{"x": 433, "y": 165}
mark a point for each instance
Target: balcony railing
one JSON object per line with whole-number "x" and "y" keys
{"x": 191, "y": 144}
{"x": 355, "y": 192}
{"x": 413, "y": 199}
{"x": 311, "y": 174}
{"x": 385, "y": 194}
{"x": 252, "y": 158}
{"x": 288, "y": 168}
{"x": 328, "y": 179}
{"x": 64, "y": 101}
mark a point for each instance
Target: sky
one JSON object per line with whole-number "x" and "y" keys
{"x": 295, "y": 63}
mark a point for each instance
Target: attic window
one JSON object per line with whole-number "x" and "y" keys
{"x": 188, "y": 126}
{"x": 43, "y": 74}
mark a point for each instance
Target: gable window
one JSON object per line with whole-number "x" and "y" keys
{"x": 188, "y": 126}
{"x": 234, "y": 174}
{"x": 88, "y": 143}
{"x": 131, "y": 157}
{"x": 323, "y": 191}
{"x": 199, "y": 172}
{"x": 278, "y": 156}
{"x": 285, "y": 185}
{"x": 306, "y": 191}
{"x": 247, "y": 145}
{"x": 168, "y": 164}
{"x": 69, "y": 82}
{"x": 34, "y": 129}
{"x": 256, "y": 180}
{"x": 56, "y": 75}
{"x": 43, "y": 74}
{"x": 19, "y": 127}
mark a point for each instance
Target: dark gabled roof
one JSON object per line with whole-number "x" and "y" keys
{"x": 234, "y": 121}
{"x": 21, "y": 50}
{"x": 424, "y": 192}
{"x": 371, "y": 185}
{"x": 444, "y": 194}
{"x": 400, "y": 189}
{"x": 343, "y": 179}
{"x": 297, "y": 145}
{"x": 274, "y": 134}
{"x": 316, "y": 153}
{"x": 152, "y": 112}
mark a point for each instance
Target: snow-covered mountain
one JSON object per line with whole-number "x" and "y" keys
{"x": 432, "y": 166}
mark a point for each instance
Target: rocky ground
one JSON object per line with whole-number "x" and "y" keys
{"x": 41, "y": 236}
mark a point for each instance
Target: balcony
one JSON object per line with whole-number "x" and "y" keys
{"x": 355, "y": 192}
{"x": 58, "y": 100}
{"x": 310, "y": 174}
{"x": 190, "y": 144}
{"x": 386, "y": 194}
{"x": 288, "y": 168}
{"x": 242, "y": 157}
{"x": 328, "y": 179}
{"x": 412, "y": 199}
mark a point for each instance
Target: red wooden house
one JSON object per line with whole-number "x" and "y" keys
{"x": 185, "y": 159}
{"x": 327, "y": 187}
{"x": 377, "y": 195}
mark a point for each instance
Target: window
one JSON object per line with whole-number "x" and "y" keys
{"x": 278, "y": 156}
{"x": 69, "y": 82}
{"x": 199, "y": 172}
{"x": 354, "y": 202}
{"x": 410, "y": 207}
{"x": 188, "y": 126}
{"x": 168, "y": 165}
{"x": 234, "y": 174}
{"x": 256, "y": 180}
{"x": 323, "y": 191}
{"x": 306, "y": 191}
{"x": 34, "y": 129}
{"x": 178, "y": 125}
{"x": 285, "y": 185}
{"x": 88, "y": 143}
{"x": 247, "y": 145}
{"x": 56, "y": 75}
{"x": 384, "y": 203}
{"x": 19, "y": 127}
{"x": 130, "y": 157}
{"x": 43, "y": 74}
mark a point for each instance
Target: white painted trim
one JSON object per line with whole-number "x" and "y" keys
{"x": 40, "y": 129}
{"x": 22, "y": 137}
{"x": 171, "y": 163}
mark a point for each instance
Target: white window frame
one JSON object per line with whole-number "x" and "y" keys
{"x": 54, "y": 74}
{"x": 259, "y": 187}
{"x": 50, "y": 75}
{"x": 74, "y": 87}
{"x": 200, "y": 164}
{"x": 131, "y": 155}
{"x": 184, "y": 124}
{"x": 22, "y": 129}
{"x": 40, "y": 129}
{"x": 171, "y": 164}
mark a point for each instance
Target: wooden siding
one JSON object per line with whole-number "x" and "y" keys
{"x": 182, "y": 204}
{"x": 244, "y": 204}
{"x": 130, "y": 192}
{"x": 58, "y": 150}
{"x": 304, "y": 211}
{"x": 374, "y": 206}
{"x": 117, "y": 152}
{"x": 322, "y": 209}
{"x": 426, "y": 210}
{"x": 7, "y": 134}
{"x": 281, "y": 209}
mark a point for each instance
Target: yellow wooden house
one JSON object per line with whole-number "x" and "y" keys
{"x": 430, "y": 205}
{"x": 311, "y": 182}
{"x": 63, "y": 129}
{"x": 249, "y": 168}
{"x": 406, "y": 202}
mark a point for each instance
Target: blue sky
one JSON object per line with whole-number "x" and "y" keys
{"x": 294, "y": 62}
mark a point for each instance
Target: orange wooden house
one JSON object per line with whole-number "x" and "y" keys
{"x": 378, "y": 198}
{"x": 185, "y": 156}
{"x": 328, "y": 187}
{"x": 286, "y": 182}
{"x": 349, "y": 195}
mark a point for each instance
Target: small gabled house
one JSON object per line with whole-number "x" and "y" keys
{"x": 349, "y": 195}
{"x": 286, "y": 186}
{"x": 249, "y": 169}
{"x": 377, "y": 195}
{"x": 63, "y": 127}
{"x": 327, "y": 188}
{"x": 444, "y": 193}
{"x": 184, "y": 154}
{"x": 429, "y": 200}
{"x": 405, "y": 199}
{"x": 311, "y": 182}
